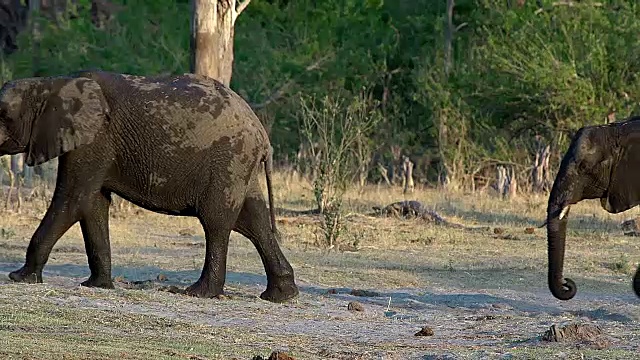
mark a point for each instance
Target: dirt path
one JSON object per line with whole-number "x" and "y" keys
{"x": 466, "y": 322}
{"x": 472, "y": 316}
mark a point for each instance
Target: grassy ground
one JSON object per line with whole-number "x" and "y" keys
{"x": 483, "y": 294}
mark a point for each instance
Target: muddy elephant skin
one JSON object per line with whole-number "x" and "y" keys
{"x": 181, "y": 145}
{"x": 602, "y": 162}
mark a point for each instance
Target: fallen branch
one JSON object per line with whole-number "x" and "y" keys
{"x": 416, "y": 210}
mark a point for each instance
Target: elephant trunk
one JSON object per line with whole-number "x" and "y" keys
{"x": 561, "y": 288}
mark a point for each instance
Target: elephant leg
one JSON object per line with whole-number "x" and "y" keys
{"x": 65, "y": 209}
{"x": 217, "y": 223}
{"x": 60, "y": 216}
{"x": 254, "y": 223}
{"x": 211, "y": 281}
{"x": 95, "y": 231}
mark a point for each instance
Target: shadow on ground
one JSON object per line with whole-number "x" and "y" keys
{"x": 534, "y": 301}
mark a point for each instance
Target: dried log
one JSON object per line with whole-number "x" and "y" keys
{"x": 412, "y": 209}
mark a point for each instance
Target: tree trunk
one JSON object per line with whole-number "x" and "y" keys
{"x": 448, "y": 40}
{"x": 212, "y": 30}
{"x": 34, "y": 7}
{"x": 507, "y": 185}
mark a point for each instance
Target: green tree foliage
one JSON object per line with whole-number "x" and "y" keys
{"x": 517, "y": 71}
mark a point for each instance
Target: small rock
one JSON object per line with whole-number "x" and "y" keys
{"x": 590, "y": 335}
{"x": 141, "y": 282}
{"x": 631, "y": 225}
{"x": 508, "y": 237}
{"x": 529, "y": 230}
{"x": 277, "y": 355}
{"x": 172, "y": 289}
{"x": 355, "y": 306}
{"x": 501, "y": 306}
{"x": 186, "y": 232}
{"x": 364, "y": 293}
{"x": 162, "y": 277}
{"x": 571, "y": 332}
{"x": 425, "y": 331}
{"x": 439, "y": 357}
{"x": 498, "y": 230}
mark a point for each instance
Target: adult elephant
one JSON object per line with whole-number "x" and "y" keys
{"x": 603, "y": 162}
{"x": 180, "y": 145}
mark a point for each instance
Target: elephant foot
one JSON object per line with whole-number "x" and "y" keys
{"x": 26, "y": 276}
{"x": 201, "y": 289}
{"x": 98, "y": 282}
{"x": 280, "y": 293}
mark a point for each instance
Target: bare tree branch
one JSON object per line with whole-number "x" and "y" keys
{"x": 461, "y": 26}
{"x": 276, "y": 95}
{"x": 241, "y": 6}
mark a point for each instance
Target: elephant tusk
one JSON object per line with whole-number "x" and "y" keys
{"x": 564, "y": 212}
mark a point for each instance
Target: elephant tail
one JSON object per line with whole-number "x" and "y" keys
{"x": 268, "y": 168}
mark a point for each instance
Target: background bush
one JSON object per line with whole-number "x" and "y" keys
{"x": 519, "y": 74}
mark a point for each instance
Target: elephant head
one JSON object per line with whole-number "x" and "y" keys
{"x": 603, "y": 162}
{"x": 47, "y": 117}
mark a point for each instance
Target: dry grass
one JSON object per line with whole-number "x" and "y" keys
{"x": 425, "y": 274}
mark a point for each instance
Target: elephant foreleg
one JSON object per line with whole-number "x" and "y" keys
{"x": 95, "y": 231}
{"x": 254, "y": 223}
{"x": 59, "y": 218}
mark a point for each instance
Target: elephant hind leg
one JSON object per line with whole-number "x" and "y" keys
{"x": 217, "y": 224}
{"x": 255, "y": 224}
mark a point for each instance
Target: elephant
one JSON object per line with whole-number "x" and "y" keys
{"x": 182, "y": 145}
{"x": 602, "y": 162}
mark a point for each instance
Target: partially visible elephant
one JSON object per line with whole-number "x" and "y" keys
{"x": 603, "y": 162}
{"x": 180, "y": 145}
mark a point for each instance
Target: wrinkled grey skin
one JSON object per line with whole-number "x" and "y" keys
{"x": 179, "y": 145}
{"x": 603, "y": 162}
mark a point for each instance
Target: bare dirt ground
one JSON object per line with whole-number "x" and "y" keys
{"x": 483, "y": 294}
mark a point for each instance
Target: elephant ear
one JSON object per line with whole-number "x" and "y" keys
{"x": 624, "y": 189}
{"x": 74, "y": 111}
